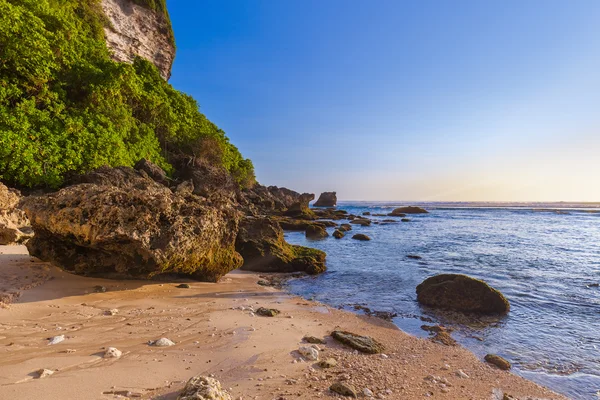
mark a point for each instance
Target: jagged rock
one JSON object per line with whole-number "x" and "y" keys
{"x": 338, "y": 234}
{"x": 316, "y": 232}
{"x": 272, "y": 199}
{"x": 261, "y": 243}
{"x": 498, "y": 361}
{"x": 360, "y": 236}
{"x": 14, "y": 225}
{"x": 203, "y": 388}
{"x": 408, "y": 210}
{"x": 113, "y": 352}
{"x": 208, "y": 180}
{"x": 344, "y": 389}
{"x": 300, "y": 210}
{"x": 461, "y": 293}
{"x": 440, "y": 334}
{"x": 326, "y": 199}
{"x": 364, "y": 344}
{"x": 310, "y": 353}
{"x": 268, "y": 312}
{"x": 121, "y": 223}
{"x": 153, "y": 171}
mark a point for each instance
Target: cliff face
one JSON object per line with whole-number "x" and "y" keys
{"x": 134, "y": 30}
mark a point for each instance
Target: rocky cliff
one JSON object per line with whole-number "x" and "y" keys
{"x": 135, "y": 30}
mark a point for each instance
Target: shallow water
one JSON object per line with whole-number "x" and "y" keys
{"x": 542, "y": 260}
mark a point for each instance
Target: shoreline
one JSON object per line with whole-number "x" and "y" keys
{"x": 215, "y": 333}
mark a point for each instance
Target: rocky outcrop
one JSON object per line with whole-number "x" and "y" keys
{"x": 14, "y": 225}
{"x": 118, "y": 222}
{"x": 326, "y": 199}
{"x": 408, "y": 210}
{"x": 261, "y": 243}
{"x": 133, "y": 30}
{"x": 203, "y": 388}
{"x": 272, "y": 199}
{"x": 209, "y": 180}
{"x": 461, "y": 293}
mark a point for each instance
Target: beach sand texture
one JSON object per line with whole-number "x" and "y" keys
{"x": 215, "y": 333}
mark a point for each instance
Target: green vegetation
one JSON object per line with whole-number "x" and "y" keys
{"x": 66, "y": 107}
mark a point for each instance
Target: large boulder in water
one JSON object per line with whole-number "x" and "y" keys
{"x": 461, "y": 293}
{"x": 14, "y": 225}
{"x": 316, "y": 232}
{"x": 272, "y": 199}
{"x": 261, "y": 243}
{"x": 121, "y": 223}
{"x": 408, "y": 210}
{"x": 326, "y": 199}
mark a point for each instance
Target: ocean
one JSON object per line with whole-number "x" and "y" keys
{"x": 544, "y": 257}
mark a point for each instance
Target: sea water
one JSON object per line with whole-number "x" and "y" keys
{"x": 545, "y": 258}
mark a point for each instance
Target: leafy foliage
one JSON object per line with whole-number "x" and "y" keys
{"x": 65, "y": 106}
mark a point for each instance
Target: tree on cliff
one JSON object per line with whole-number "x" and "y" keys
{"x": 65, "y": 106}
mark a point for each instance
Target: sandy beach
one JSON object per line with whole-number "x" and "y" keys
{"x": 215, "y": 334}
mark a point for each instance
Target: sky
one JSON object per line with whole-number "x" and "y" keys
{"x": 462, "y": 100}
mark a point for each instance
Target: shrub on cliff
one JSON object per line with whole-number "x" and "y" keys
{"x": 65, "y": 106}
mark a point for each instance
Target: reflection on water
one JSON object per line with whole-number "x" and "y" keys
{"x": 545, "y": 262}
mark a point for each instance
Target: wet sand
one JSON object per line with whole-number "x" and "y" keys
{"x": 215, "y": 333}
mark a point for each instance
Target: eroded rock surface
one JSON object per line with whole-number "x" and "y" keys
{"x": 14, "y": 225}
{"x": 121, "y": 223}
{"x": 203, "y": 388}
{"x": 326, "y": 199}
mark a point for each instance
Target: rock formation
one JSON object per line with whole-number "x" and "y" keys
{"x": 326, "y": 199}
{"x": 133, "y": 30}
{"x": 461, "y": 293}
{"x": 118, "y": 222}
{"x": 260, "y": 242}
{"x": 14, "y": 225}
{"x": 203, "y": 388}
{"x": 316, "y": 232}
{"x": 408, "y": 210}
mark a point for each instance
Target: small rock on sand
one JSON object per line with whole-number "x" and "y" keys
{"x": 56, "y": 339}
{"x": 363, "y": 344}
{"x": 310, "y": 353}
{"x": 183, "y": 286}
{"x": 100, "y": 289}
{"x": 113, "y": 311}
{"x": 163, "y": 342}
{"x": 329, "y": 363}
{"x": 113, "y": 352}
{"x": 44, "y": 373}
{"x": 498, "y": 361}
{"x": 313, "y": 339}
{"x": 461, "y": 374}
{"x": 203, "y": 388}
{"x": 343, "y": 389}
{"x": 267, "y": 312}
{"x": 367, "y": 392}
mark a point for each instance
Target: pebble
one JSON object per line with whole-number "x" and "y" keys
{"x": 460, "y": 373}
{"x": 113, "y": 311}
{"x": 367, "y": 392}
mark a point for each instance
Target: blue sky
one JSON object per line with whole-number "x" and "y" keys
{"x": 399, "y": 100}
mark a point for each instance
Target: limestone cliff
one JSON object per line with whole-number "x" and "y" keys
{"x": 134, "y": 30}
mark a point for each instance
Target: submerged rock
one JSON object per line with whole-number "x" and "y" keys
{"x": 409, "y": 210}
{"x": 338, "y": 234}
{"x": 364, "y": 344}
{"x": 14, "y": 225}
{"x": 203, "y": 388}
{"x": 326, "y": 199}
{"x": 121, "y": 223}
{"x": 261, "y": 243}
{"x": 498, "y": 361}
{"x": 461, "y": 293}
{"x": 344, "y": 389}
{"x": 345, "y": 227}
{"x": 360, "y": 236}
{"x": 361, "y": 221}
{"x": 440, "y": 334}
{"x": 316, "y": 232}
{"x": 414, "y": 256}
